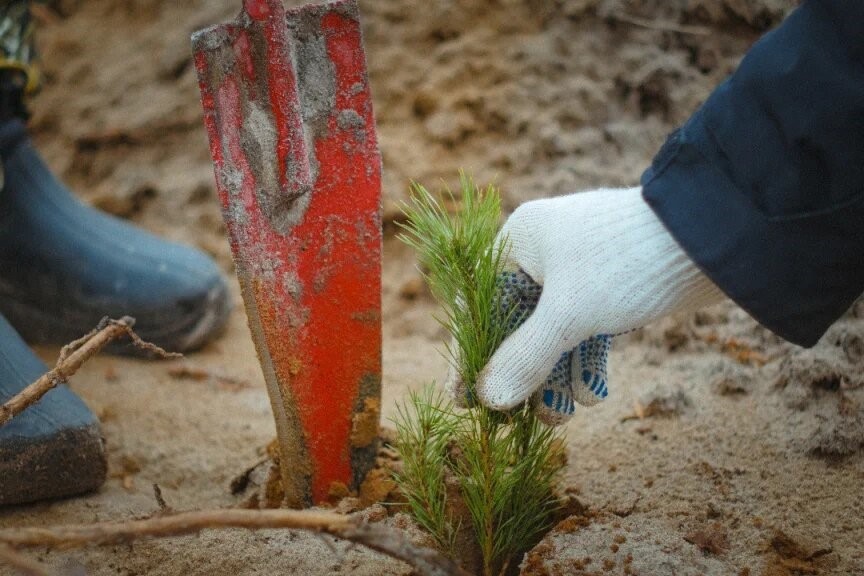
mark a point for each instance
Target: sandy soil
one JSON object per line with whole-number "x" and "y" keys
{"x": 721, "y": 450}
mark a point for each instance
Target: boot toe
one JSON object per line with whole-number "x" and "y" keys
{"x": 58, "y": 463}
{"x": 66, "y": 265}
{"x": 54, "y": 448}
{"x": 186, "y": 314}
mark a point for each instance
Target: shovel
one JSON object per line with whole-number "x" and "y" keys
{"x": 289, "y": 117}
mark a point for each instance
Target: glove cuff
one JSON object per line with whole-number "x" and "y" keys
{"x": 648, "y": 274}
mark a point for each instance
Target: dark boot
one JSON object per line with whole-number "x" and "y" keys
{"x": 52, "y": 449}
{"x": 64, "y": 265}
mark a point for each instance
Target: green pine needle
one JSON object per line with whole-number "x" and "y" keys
{"x": 508, "y": 464}
{"x": 423, "y": 431}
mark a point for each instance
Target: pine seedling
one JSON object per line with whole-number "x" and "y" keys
{"x": 423, "y": 429}
{"x": 508, "y": 463}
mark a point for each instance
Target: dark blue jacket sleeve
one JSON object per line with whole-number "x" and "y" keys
{"x": 764, "y": 186}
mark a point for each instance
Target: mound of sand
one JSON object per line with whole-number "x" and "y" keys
{"x": 721, "y": 450}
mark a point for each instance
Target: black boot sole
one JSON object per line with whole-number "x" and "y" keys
{"x": 68, "y": 463}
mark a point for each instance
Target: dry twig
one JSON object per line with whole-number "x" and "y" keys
{"x": 425, "y": 561}
{"x": 222, "y": 381}
{"x": 72, "y": 357}
{"x": 661, "y": 26}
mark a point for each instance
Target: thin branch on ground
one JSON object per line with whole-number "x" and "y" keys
{"x": 659, "y": 25}
{"x": 425, "y": 561}
{"x": 72, "y": 357}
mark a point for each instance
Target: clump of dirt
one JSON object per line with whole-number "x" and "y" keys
{"x": 663, "y": 403}
{"x": 729, "y": 378}
{"x": 711, "y": 539}
{"x": 786, "y": 557}
{"x": 264, "y": 479}
{"x": 610, "y": 544}
{"x": 261, "y": 484}
{"x": 722, "y": 328}
{"x": 824, "y": 386}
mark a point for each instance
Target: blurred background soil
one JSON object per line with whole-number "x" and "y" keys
{"x": 721, "y": 450}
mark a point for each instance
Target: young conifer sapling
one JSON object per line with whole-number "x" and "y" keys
{"x": 506, "y": 464}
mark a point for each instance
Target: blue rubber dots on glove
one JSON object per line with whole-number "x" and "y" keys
{"x": 578, "y": 376}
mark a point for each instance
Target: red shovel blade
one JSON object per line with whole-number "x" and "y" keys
{"x": 292, "y": 135}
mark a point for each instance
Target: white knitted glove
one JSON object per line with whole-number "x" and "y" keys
{"x": 606, "y": 265}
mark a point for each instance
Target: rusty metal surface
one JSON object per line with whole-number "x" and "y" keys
{"x": 289, "y": 116}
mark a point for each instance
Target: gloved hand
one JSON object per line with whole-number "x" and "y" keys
{"x": 606, "y": 265}
{"x": 578, "y": 376}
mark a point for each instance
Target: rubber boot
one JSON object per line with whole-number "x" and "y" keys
{"x": 52, "y": 449}
{"x": 64, "y": 265}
